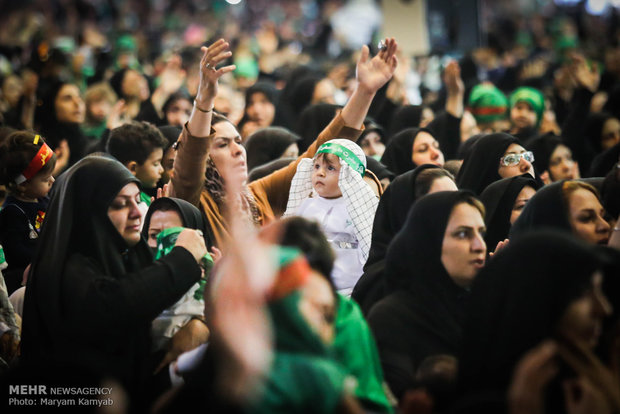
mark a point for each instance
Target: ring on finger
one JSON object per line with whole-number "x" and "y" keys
{"x": 208, "y": 66}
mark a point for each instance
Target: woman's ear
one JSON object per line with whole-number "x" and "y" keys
{"x": 546, "y": 177}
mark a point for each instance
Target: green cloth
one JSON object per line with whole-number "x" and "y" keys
{"x": 304, "y": 377}
{"x": 487, "y": 103}
{"x": 95, "y": 132}
{"x": 246, "y": 67}
{"x": 355, "y": 348}
{"x": 344, "y": 154}
{"x": 533, "y": 97}
{"x": 145, "y": 198}
{"x": 301, "y": 384}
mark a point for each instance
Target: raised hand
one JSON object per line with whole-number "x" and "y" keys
{"x": 586, "y": 75}
{"x": 452, "y": 78}
{"x": 373, "y": 73}
{"x": 209, "y": 74}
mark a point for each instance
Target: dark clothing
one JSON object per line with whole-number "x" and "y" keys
{"x": 480, "y": 166}
{"x": 398, "y": 153}
{"x": 391, "y": 214}
{"x": 20, "y": 226}
{"x": 547, "y": 209}
{"x": 423, "y": 315}
{"x": 90, "y": 300}
{"x": 511, "y": 311}
{"x": 499, "y": 199}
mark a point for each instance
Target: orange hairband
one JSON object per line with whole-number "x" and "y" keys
{"x": 43, "y": 156}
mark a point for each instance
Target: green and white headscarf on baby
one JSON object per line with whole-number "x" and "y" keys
{"x": 361, "y": 201}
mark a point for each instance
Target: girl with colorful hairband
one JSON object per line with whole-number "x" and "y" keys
{"x": 330, "y": 189}
{"x": 26, "y": 167}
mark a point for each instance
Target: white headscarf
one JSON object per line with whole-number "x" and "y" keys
{"x": 361, "y": 201}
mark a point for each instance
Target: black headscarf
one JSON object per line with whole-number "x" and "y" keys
{"x": 76, "y": 222}
{"x": 516, "y": 302}
{"x": 191, "y": 217}
{"x": 424, "y": 315}
{"x": 406, "y": 116}
{"x": 480, "y": 166}
{"x": 268, "y": 144}
{"x": 593, "y": 129}
{"x": 498, "y": 199}
{"x": 543, "y": 147}
{"x": 390, "y": 216}
{"x": 610, "y": 193}
{"x": 397, "y": 155}
{"x": 546, "y": 209}
{"x": 83, "y": 261}
{"x": 312, "y": 121}
{"x": 604, "y": 162}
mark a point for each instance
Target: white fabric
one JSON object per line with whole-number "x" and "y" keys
{"x": 175, "y": 317}
{"x": 360, "y": 201}
{"x": 332, "y": 216}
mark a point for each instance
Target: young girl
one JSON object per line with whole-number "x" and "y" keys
{"x": 330, "y": 189}
{"x": 26, "y": 167}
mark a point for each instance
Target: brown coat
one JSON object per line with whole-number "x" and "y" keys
{"x": 270, "y": 192}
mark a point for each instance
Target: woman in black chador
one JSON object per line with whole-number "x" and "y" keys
{"x": 94, "y": 288}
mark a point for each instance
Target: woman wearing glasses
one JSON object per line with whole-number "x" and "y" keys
{"x": 493, "y": 157}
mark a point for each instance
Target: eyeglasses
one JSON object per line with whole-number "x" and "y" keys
{"x": 515, "y": 159}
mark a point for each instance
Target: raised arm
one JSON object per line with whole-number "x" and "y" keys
{"x": 371, "y": 75}
{"x": 193, "y": 145}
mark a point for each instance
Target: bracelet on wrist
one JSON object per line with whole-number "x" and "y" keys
{"x": 206, "y": 111}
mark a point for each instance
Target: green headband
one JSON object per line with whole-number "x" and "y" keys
{"x": 345, "y": 154}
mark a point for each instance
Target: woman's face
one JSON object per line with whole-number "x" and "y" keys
{"x": 561, "y": 164}
{"x": 125, "y": 215}
{"x": 69, "y": 105}
{"x": 161, "y": 220}
{"x": 228, "y": 154}
{"x": 372, "y": 145}
{"x": 583, "y": 318}
{"x": 463, "y": 249}
{"x": 610, "y": 135}
{"x": 324, "y": 92}
{"x": 586, "y": 216}
{"x": 513, "y": 169}
{"x": 442, "y": 184}
{"x": 426, "y": 150}
{"x": 134, "y": 85}
{"x": 292, "y": 151}
{"x": 523, "y": 197}
{"x": 318, "y": 307}
{"x": 178, "y": 112}
{"x": 260, "y": 109}
{"x": 427, "y": 117}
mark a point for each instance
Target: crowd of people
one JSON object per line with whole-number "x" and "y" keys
{"x": 240, "y": 219}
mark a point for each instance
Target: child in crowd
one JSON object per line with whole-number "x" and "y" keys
{"x": 527, "y": 107}
{"x": 139, "y": 146}
{"x": 330, "y": 188}
{"x": 26, "y": 167}
{"x": 489, "y": 106}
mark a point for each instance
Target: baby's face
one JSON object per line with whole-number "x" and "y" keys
{"x": 325, "y": 173}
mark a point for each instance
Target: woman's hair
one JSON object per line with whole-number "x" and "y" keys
{"x": 424, "y": 181}
{"x": 570, "y": 186}
{"x": 216, "y": 118}
{"x": 472, "y": 201}
{"x": 16, "y": 153}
